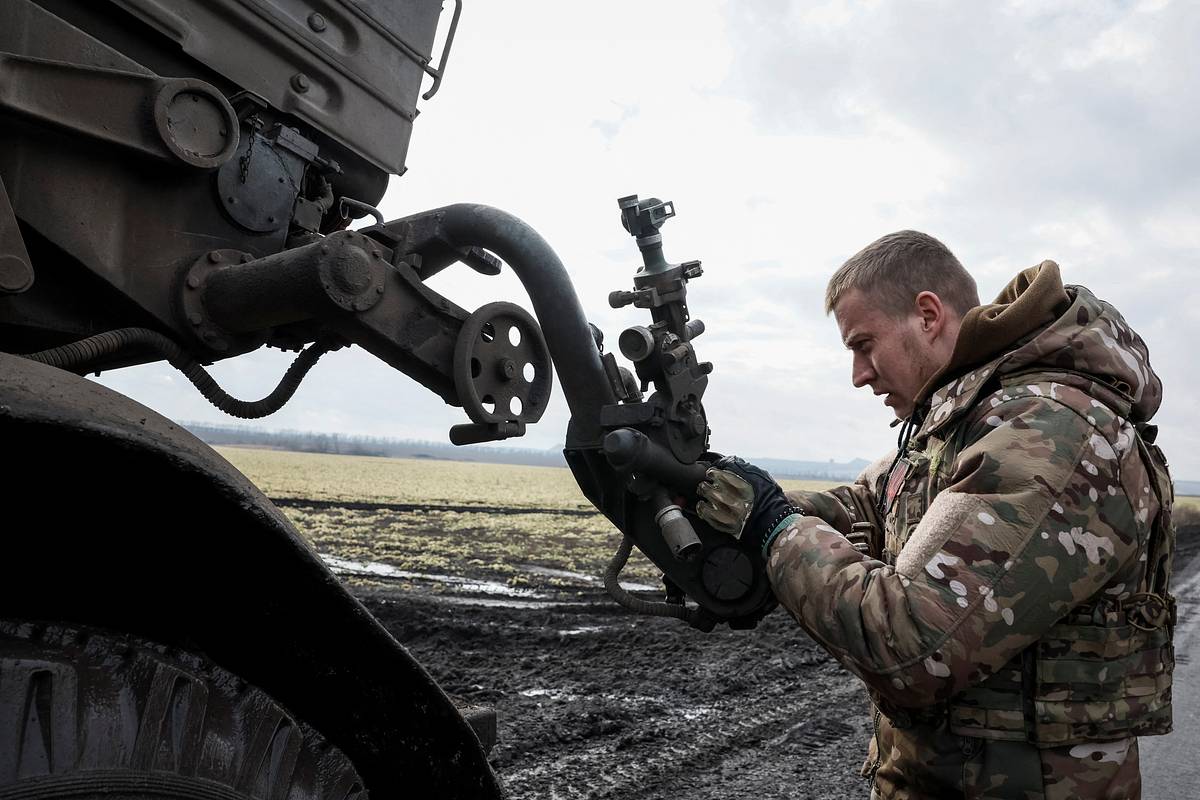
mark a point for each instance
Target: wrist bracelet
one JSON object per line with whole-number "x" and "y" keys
{"x": 779, "y": 525}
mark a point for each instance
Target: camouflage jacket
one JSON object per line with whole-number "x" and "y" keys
{"x": 1022, "y": 498}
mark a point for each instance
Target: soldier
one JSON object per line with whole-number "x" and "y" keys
{"x": 999, "y": 582}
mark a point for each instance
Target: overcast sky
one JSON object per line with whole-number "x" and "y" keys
{"x": 789, "y": 135}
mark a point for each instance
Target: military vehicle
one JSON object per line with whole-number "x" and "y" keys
{"x": 177, "y": 182}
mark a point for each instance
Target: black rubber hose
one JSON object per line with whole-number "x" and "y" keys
{"x": 635, "y": 604}
{"x": 79, "y": 354}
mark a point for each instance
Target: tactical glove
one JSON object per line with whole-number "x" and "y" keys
{"x": 742, "y": 500}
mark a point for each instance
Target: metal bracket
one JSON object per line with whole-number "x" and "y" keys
{"x": 437, "y": 72}
{"x": 16, "y": 270}
{"x": 178, "y": 120}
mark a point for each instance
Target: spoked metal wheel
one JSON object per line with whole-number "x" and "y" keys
{"x": 502, "y": 366}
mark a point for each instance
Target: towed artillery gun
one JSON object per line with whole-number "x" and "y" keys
{"x": 177, "y": 179}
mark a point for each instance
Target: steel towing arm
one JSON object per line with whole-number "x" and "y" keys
{"x": 636, "y": 458}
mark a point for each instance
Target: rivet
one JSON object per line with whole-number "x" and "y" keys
{"x": 300, "y": 82}
{"x": 193, "y": 282}
{"x": 214, "y": 257}
{"x": 378, "y": 290}
{"x": 316, "y": 22}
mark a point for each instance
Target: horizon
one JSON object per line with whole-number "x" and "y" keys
{"x": 500, "y": 449}
{"x": 789, "y": 136}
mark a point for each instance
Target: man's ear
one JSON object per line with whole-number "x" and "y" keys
{"x": 931, "y": 312}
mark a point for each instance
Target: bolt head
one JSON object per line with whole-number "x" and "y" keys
{"x": 214, "y": 257}
{"x": 317, "y": 22}
{"x": 506, "y": 369}
{"x": 193, "y": 282}
{"x": 300, "y": 82}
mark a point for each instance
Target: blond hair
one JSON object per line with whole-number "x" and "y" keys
{"x": 895, "y": 268}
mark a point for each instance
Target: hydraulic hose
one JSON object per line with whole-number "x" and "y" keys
{"x": 85, "y": 351}
{"x": 635, "y": 604}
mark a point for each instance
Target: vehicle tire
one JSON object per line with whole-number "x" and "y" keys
{"x": 86, "y": 712}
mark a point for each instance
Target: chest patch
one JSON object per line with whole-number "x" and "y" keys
{"x": 895, "y": 482}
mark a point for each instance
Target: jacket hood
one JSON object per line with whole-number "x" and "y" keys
{"x": 1038, "y": 325}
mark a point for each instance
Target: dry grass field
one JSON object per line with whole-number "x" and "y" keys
{"x": 531, "y": 519}
{"x": 591, "y": 701}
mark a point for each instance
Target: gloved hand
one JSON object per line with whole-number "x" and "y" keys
{"x": 742, "y": 500}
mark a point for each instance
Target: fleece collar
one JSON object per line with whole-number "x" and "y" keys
{"x": 1031, "y": 301}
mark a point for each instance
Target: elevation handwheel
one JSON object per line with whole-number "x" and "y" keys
{"x": 502, "y": 367}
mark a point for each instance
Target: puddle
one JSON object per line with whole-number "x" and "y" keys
{"x": 582, "y": 630}
{"x": 696, "y": 712}
{"x": 550, "y": 694}
{"x": 497, "y": 594}
{"x": 591, "y": 580}
{"x": 345, "y": 566}
{"x": 496, "y": 602}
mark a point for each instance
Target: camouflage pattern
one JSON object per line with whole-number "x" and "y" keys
{"x": 726, "y": 500}
{"x": 1024, "y": 499}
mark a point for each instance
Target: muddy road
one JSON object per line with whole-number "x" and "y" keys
{"x": 594, "y": 702}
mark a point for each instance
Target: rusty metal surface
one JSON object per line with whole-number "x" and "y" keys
{"x": 159, "y": 536}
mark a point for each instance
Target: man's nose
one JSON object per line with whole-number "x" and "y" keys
{"x": 861, "y": 373}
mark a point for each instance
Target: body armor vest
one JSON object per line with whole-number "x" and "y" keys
{"x": 1101, "y": 673}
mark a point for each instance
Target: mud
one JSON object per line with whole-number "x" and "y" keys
{"x": 594, "y": 702}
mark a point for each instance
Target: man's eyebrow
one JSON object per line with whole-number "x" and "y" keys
{"x": 854, "y": 338}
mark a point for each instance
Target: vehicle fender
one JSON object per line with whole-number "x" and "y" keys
{"x": 117, "y": 517}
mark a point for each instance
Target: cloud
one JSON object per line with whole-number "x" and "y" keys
{"x": 789, "y": 136}
{"x": 1067, "y": 131}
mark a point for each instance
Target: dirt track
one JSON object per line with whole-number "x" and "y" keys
{"x": 594, "y": 702}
